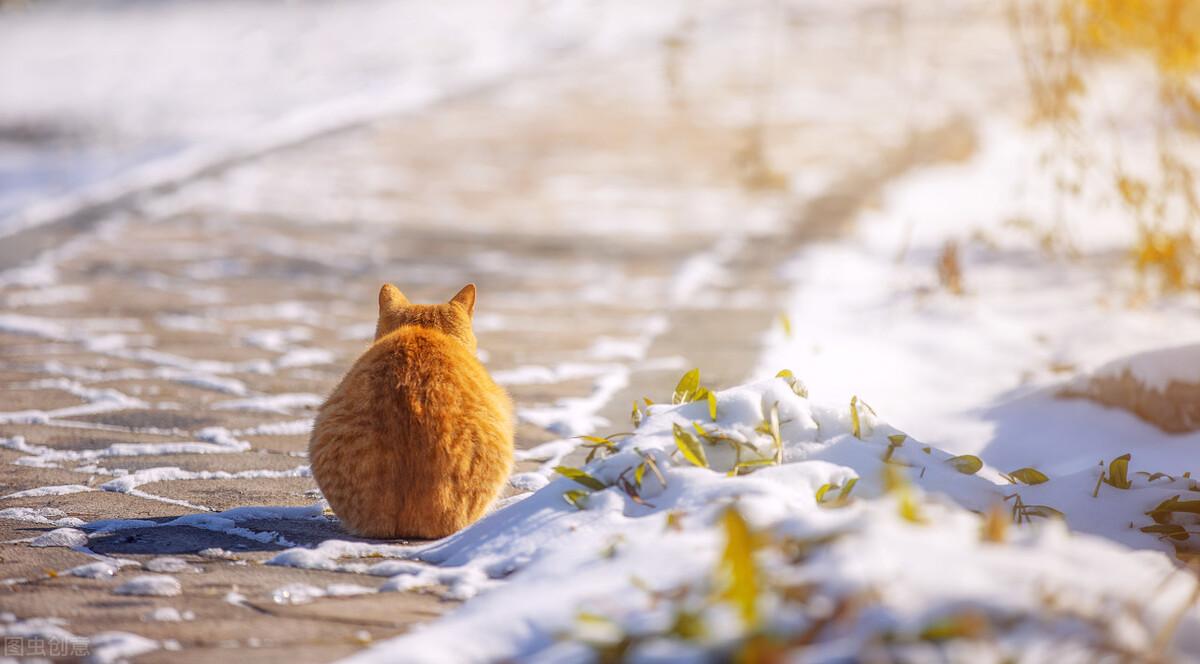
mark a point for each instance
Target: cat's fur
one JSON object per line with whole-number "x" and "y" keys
{"x": 416, "y": 441}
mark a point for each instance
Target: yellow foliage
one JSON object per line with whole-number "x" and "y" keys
{"x": 1165, "y": 255}
{"x": 1167, "y": 30}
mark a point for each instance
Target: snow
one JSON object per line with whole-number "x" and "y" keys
{"x": 1157, "y": 369}
{"x": 289, "y": 428}
{"x": 68, "y": 537}
{"x": 535, "y": 568}
{"x": 170, "y": 565}
{"x": 96, "y": 570}
{"x": 169, "y": 614}
{"x": 979, "y": 373}
{"x": 304, "y": 357}
{"x": 41, "y": 456}
{"x": 302, "y": 593}
{"x": 43, "y": 515}
{"x": 56, "y": 490}
{"x": 111, "y": 647}
{"x": 153, "y": 585}
{"x": 274, "y": 403}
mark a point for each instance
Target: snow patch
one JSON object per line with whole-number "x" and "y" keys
{"x": 68, "y": 537}
{"x": 151, "y": 585}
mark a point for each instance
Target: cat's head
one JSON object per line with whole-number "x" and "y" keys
{"x": 452, "y": 318}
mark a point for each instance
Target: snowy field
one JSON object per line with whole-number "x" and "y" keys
{"x": 911, "y": 470}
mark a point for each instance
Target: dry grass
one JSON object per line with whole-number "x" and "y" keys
{"x": 1060, "y": 44}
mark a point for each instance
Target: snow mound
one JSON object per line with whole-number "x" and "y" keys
{"x": 781, "y": 525}
{"x": 169, "y": 614}
{"x": 68, "y": 537}
{"x": 153, "y": 585}
{"x": 1157, "y": 369}
{"x": 1161, "y": 386}
{"x": 170, "y": 565}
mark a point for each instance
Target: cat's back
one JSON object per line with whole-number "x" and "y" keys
{"x": 415, "y": 368}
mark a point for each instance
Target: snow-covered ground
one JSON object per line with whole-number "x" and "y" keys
{"x": 839, "y": 540}
{"x": 104, "y": 98}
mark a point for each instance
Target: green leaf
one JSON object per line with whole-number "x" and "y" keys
{"x": 967, "y": 464}
{"x": 1153, "y": 477}
{"x": 687, "y": 388}
{"x": 738, "y": 562}
{"x": 795, "y": 383}
{"x": 688, "y": 626}
{"x": 849, "y": 486}
{"x": 909, "y": 510}
{"x": 690, "y": 447}
{"x": 776, "y": 439}
{"x": 1029, "y": 476}
{"x": 895, "y": 440}
{"x": 636, "y": 415}
{"x": 639, "y": 473}
{"x": 1044, "y": 511}
{"x": 786, "y": 322}
{"x": 1162, "y": 513}
{"x": 577, "y": 498}
{"x": 712, "y": 405}
{"x": 1171, "y": 530}
{"x": 650, "y": 463}
{"x": 580, "y": 477}
{"x": 855, "y": 425}
{"x": 823, "y": 490}
{"x": 752, "y": 464}
{"x": 962, "y": 626}
{"x": 1118, "y": 472}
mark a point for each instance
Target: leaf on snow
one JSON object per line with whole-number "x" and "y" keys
{"x": 580, "y": 477}
{"x": 967, "y": 464}
{"x": 690, "y": 447}
{"x": 687, "y": 388}
{"x": 1118, "y": 472}
{"x": 577, "y": 498}
{"x": 1028, "y": 476}
{"x": 738, "y": 562}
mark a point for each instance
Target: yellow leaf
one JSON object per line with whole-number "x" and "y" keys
{"x": 687, "y": 388}
{"x": 689, "y": 447}
{"x": 967, "y": 464}
{"x": 738, "y": 563}
{"x": 1029, "y": 476}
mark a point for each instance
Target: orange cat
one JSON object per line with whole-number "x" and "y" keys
{"x": 416, "y": 441}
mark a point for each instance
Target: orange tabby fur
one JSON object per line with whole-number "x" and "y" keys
{"x": 416, "y": 441}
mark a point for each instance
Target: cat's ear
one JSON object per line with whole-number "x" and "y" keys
{"x": 390, "y": 297}
{"x": 466, "y": 298}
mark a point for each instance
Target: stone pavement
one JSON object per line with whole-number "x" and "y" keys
{"x": 616, "y": 214}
